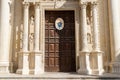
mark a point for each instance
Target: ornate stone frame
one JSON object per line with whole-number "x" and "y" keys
{"x": 66, "y": 6}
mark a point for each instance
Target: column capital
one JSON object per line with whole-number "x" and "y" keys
{"x": 37, "y": 5}
{"x": 94, "y": 4}
{"x": 26, "y": 4}
{"x": 83, "y": 5}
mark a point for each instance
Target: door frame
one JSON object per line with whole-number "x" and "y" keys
{"x": 50, "y": 6}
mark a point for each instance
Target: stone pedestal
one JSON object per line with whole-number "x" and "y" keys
{"x": 4, "y": 67}
{"x": 23, "y": 63}
{"x": 96, "y": 62}
{"x": 36, "y": 63}
{"x": 84, "y": 63}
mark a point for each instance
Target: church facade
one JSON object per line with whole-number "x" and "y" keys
{"x": 38, "y": 36}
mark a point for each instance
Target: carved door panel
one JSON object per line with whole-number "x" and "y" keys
{"x": 59, "y": 44}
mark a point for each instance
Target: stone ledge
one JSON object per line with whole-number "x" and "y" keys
{"x": 59, "y": 76}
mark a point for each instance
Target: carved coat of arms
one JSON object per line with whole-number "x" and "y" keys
{"x": 59, "y": 23}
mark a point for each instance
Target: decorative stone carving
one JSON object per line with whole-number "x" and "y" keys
{"x": 31, "y": 33}
{"x": 31, "y": 41}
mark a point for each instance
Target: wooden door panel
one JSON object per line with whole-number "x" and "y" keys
{"x": 51, "y": 47}
{"x": 59, "y": 44}
{"x": 51, "y": 33}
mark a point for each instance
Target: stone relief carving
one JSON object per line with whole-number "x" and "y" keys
{"x": 21, "y": 37}
{"x": 89, "y": 28}
{"x": 31, "y": 33}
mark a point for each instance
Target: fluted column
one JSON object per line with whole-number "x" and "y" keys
{"x": 5, "y": 34}
{"x": 97, "y": 54}
{"x": 25, "y": 24}
{"x": 37, "y": 25}
{"x": 115, "y": 27}
{"x": 84, "y": 64}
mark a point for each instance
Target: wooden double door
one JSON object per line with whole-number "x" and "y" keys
{"x": 60, "y": 44}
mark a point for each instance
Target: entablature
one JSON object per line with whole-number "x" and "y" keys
{"x": 32, "y": 1}
{"x": 87, "y": 0}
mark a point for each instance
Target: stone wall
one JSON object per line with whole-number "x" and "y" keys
{"x": 103, "y": 24}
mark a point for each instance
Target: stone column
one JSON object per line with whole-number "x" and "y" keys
{"x": 23, "y": 56}
{"x": 84, "y": 53}
{"x": 5, "y": 34}
{"x": 84, "y": 27}
{"x": 115, "y": 14}
{"x": 25, "y": 29}
{"x": 37, "y": 25}
{"x": 38, "y": 54}
{"x": 97, "y": 53}
{"x": 96, "y": 39}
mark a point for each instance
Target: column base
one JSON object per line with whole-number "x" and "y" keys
{"x": 84, "y": 71}
{"x": 36, "y": 66}
{"x": 97, "y": 72}
{"x": 22, "y": 71}
{"x": 36, "y": 71}
{"x": 84, "y": 65}
{"x": 116, "y": 67}
{"x": 96, "y": 61}
{"x": 4, "y": 67}
{"x": 23, "y": 63}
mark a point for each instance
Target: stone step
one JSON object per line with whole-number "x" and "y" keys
{"x": 59, "y": 76}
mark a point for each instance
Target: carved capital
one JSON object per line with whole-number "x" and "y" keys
{"x": 26, "y": 5}
{"x": 83, "y": 5}
{"x": 94, "y": 4}
{"x": 37, "y": 5}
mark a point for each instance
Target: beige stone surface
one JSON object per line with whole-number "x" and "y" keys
{"x": 104, "y": 21}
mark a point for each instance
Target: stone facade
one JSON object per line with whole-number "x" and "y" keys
{"x": 22, "y": 35}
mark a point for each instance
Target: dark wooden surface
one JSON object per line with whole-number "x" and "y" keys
{"x": 59, "y": 44}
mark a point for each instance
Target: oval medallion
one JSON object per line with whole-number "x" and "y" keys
{"x": 59, "y": 23}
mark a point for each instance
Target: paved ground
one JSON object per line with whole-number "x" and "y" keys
{"x": 59, "y": 76}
